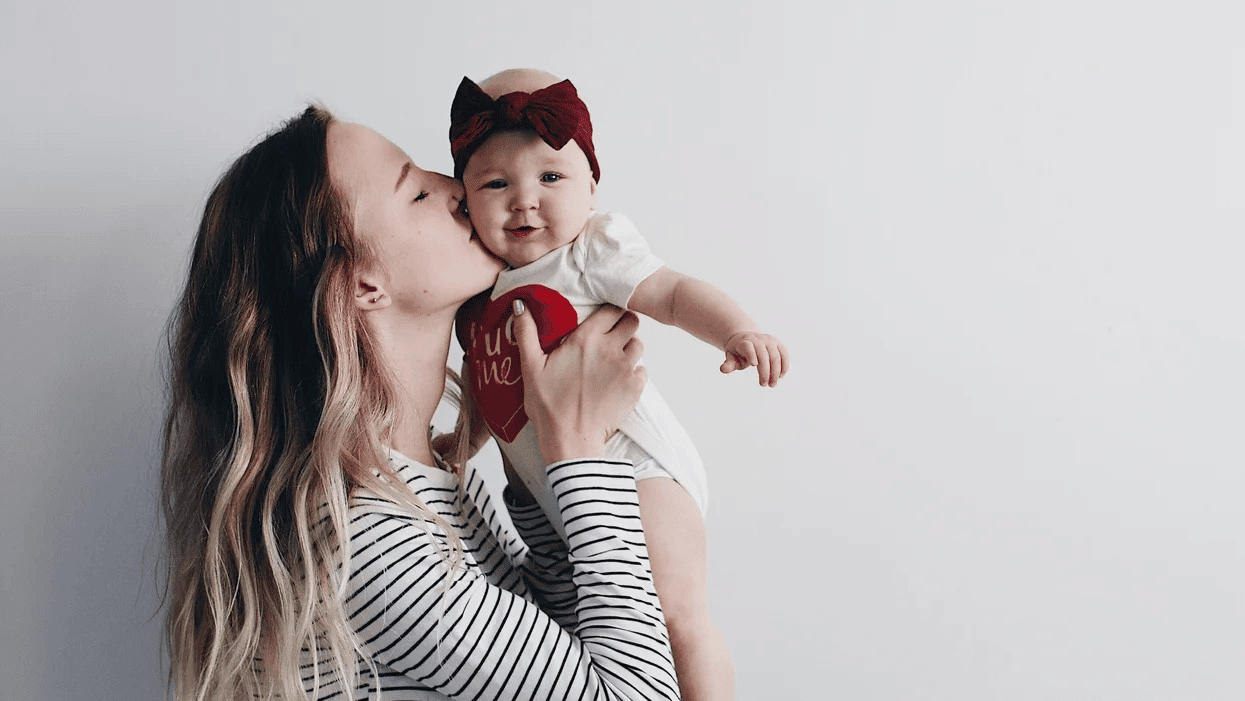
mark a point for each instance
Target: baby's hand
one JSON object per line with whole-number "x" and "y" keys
{"x": 767, "y": 353}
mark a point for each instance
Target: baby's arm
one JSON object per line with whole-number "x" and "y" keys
{"x": 710, "y": 315}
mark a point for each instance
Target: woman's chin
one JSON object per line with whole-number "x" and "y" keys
{"x": 493, "y": 266}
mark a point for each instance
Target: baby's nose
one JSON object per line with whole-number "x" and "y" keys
{"x": 523, "y": 199}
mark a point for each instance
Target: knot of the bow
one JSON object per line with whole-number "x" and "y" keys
{"x": 512, "y": 108}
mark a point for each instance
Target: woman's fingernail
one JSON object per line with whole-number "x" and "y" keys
{"x": 518, "y": 307}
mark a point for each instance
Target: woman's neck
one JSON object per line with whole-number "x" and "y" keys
{"x": 415, "y": 353}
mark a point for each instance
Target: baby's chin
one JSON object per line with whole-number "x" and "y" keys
{"x": 527, "y": 252}
{"x": 514, "y": 261}
{"x": 528, "y": 258}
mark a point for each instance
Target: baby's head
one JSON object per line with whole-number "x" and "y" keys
{"x": 526, "y": 196}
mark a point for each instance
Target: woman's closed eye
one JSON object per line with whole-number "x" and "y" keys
{"x": 423, "y": 195}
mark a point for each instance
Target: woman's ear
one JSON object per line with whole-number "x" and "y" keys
{"x": 369, "y": 295}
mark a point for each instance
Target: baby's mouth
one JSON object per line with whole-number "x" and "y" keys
{"x": 521, "y": 232}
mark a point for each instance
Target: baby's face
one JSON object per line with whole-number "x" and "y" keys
{"x": 526, "y": 198}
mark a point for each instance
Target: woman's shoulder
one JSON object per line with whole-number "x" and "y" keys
{"x": 456, "y": 498}
{"x": 432, "y": 486}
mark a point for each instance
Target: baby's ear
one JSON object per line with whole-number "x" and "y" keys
{"x": 592, "y": 189}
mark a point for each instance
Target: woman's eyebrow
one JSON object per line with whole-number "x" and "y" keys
{"x": 406, "y": 168}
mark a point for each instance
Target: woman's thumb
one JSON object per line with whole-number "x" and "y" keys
{"x": 525, "y": 335}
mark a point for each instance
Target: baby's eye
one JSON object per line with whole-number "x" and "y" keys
{"x": 550, "y": 177}
{"x": 495, "y": 184}
{"x": 423, "y": 195}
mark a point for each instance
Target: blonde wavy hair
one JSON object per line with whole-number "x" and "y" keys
{"x": 278, "y": 409}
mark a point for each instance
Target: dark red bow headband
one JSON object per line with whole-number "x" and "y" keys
{"x": 555, "y": 113}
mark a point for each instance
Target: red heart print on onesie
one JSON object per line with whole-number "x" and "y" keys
{"x": 496, "y": 376}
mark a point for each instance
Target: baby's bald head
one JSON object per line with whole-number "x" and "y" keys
{"x": 561, "y": 104}
{"x": 517, "y": 80}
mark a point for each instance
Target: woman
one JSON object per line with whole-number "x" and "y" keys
{"x": 316, "y": 542}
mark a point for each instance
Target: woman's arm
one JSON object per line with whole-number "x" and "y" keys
{"x": 457, "y": 633}
{"x": 563, "y": 398}
{"x": 544, "y": 563}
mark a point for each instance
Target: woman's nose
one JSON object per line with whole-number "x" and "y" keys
{"x": 456, "y": 191}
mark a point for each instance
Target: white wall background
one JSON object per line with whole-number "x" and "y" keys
{"x": 1002, "y": 239}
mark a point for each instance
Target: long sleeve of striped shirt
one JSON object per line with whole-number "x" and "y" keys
{"x": 544, "y": 562}
{"x": 478, "y": 632}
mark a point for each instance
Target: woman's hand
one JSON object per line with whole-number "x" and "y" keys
{"x": 577, "y": 395}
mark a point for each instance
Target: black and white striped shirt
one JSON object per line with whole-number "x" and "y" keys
{"x": 597, "y": 632}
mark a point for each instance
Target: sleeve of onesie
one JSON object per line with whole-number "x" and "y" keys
{"x": 613, "y": 257}
{"x": 469, "y": 639}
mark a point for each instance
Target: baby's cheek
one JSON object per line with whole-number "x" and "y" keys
{"x": 482, "y": 211}
{"x": 479, "y": 221}
{"x": 467, "y": 205}
{"x": 492, "y": 237}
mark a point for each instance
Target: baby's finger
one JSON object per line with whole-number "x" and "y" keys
{"x": 775, "y": 363}
{"x": 748, "y": 351}
{"x": 763, "y": 365}
{"x": 786, "y": 359}
{"x": 729, "y": 365}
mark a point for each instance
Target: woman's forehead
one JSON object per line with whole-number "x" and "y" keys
{"x": 361, "y": 160}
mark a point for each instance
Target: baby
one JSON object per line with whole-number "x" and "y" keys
{"x": 522, "y": 145}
